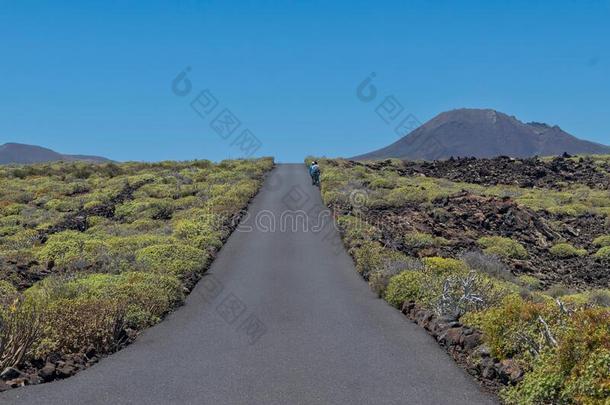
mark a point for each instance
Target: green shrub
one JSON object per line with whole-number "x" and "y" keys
{"x": 588, "y": 382}
{"x": 599, "y": 298}
{"x": 145, "y": 208}
{"x": 145, "y": 296}
{"x": 442, "y": 266}
{"x": 175, "y": 258}
{"x": 382, "y": 182}
{"x": 122, "y": 250}
{"x": 6, "y": 290}
{"x": 577, "y": 369}
{"x": 356, "y": 230}
{"x": 145, "y": 225}
{"x": 603, "y": 253}
{"x": 62, "y": 205}
{"x": 72, "y": 249}
{"x": 22, "y": 239}
{"x": 148, "y": 296}
{"x": 92, "y": 205}
{"x": 409, "y": 286}
{"x": 200, "y": 233}
{"x": 540, "y": 386}
{"x": 392, "y": 263}
{"x": 368, "y": 257}
{"x": 509, "y": 327}
{"x": 11, "y": 209}
{"x": 403, "y": 195}
{"x": 602, "y": 241}
{"x": 565, "y": 250}
{"x": 503, "y": 247}
{"x": 420, "y": 240}
{"x": 574, "y": 210}
{"x": 530, "y": 282}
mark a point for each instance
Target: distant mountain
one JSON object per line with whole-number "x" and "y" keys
{"x": 20, "y": 153}
{"x": 483, "y": 133}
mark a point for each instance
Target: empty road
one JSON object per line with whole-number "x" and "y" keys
{"x": 281, "y": 318}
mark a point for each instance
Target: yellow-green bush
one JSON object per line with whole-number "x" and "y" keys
{"x": 11, "y": 208}
{"x": 72, "y": 249}
{"x": 391, "y": 264}
{"x": 530, "y": 282}
{"x": 589, "y": 383}
{"x": 92, "y": 205}
{"x": 122, "y": 249}
{"x": 199, "y": 232}
{"x": 145, "y": 297}
{"x": 149, "y": 208}
{"x": 174, "y": 258}
{"x": 598, "y": 297}
{"x": 368, "y": 257}
{"x": 21, "y": 239}
{"x": 444, "y": 266}
{"x": 576, "y": 369}
{"x": 565, "y": 250}
{"x": 409, "y": 286}
{"x": 425, "y": 285}
{"x": 539, "y": 386}
{"x": 503, "y": 247}
{"x": 63, "y": 205}
{"x": 602, "y": 241}
{"x": 6, "y": 289}
{"x": 603, "y": 253}
{"x": 382, "y": 182}
{"x": 505, "y": 325}
{"x": 420, "y": 240}
{"x": 355, "y": 229}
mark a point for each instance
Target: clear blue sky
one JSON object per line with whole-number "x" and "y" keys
{"x": 96, "y": 77}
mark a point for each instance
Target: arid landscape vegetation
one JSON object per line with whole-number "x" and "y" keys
{"x": 504, "y": 261}
{"x": 305, "y": 203}
{"x": 91, "y": 254}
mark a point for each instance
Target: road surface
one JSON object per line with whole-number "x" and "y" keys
{"x": 281, "y": 318}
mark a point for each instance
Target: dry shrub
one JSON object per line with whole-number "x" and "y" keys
{"x": 20, "y": 328}
{"x": 74, "y": 325}
{"x": 488, "y": 264}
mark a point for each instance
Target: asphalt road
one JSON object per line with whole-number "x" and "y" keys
{"x": 281, "y": 318}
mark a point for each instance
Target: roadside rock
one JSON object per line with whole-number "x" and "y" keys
{"x": 510, "y": 372}
{"x": 17, "y": 382}
{"x": 47, "y": 372}
{"x": 466, "y": 346}
{"x": 10, "y": 373}
{"x": 65, "y": 370}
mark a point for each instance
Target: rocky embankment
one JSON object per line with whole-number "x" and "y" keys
{"x": 464, "y": 218}
{"x": 466, "y": 346}
{"x": 528, "y": 173}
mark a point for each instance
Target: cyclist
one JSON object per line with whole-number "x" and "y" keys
{"x": 314, "y": 172}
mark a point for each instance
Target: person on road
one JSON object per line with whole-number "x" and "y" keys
{"x": 314, "y": 172}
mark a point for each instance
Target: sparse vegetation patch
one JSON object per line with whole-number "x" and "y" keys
{"x": 519, "y": 272}
{"x": 90, "y": 254}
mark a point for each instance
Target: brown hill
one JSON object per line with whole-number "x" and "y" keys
{"x": 483, "y": 134}
{"x": 23, "y": 154}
